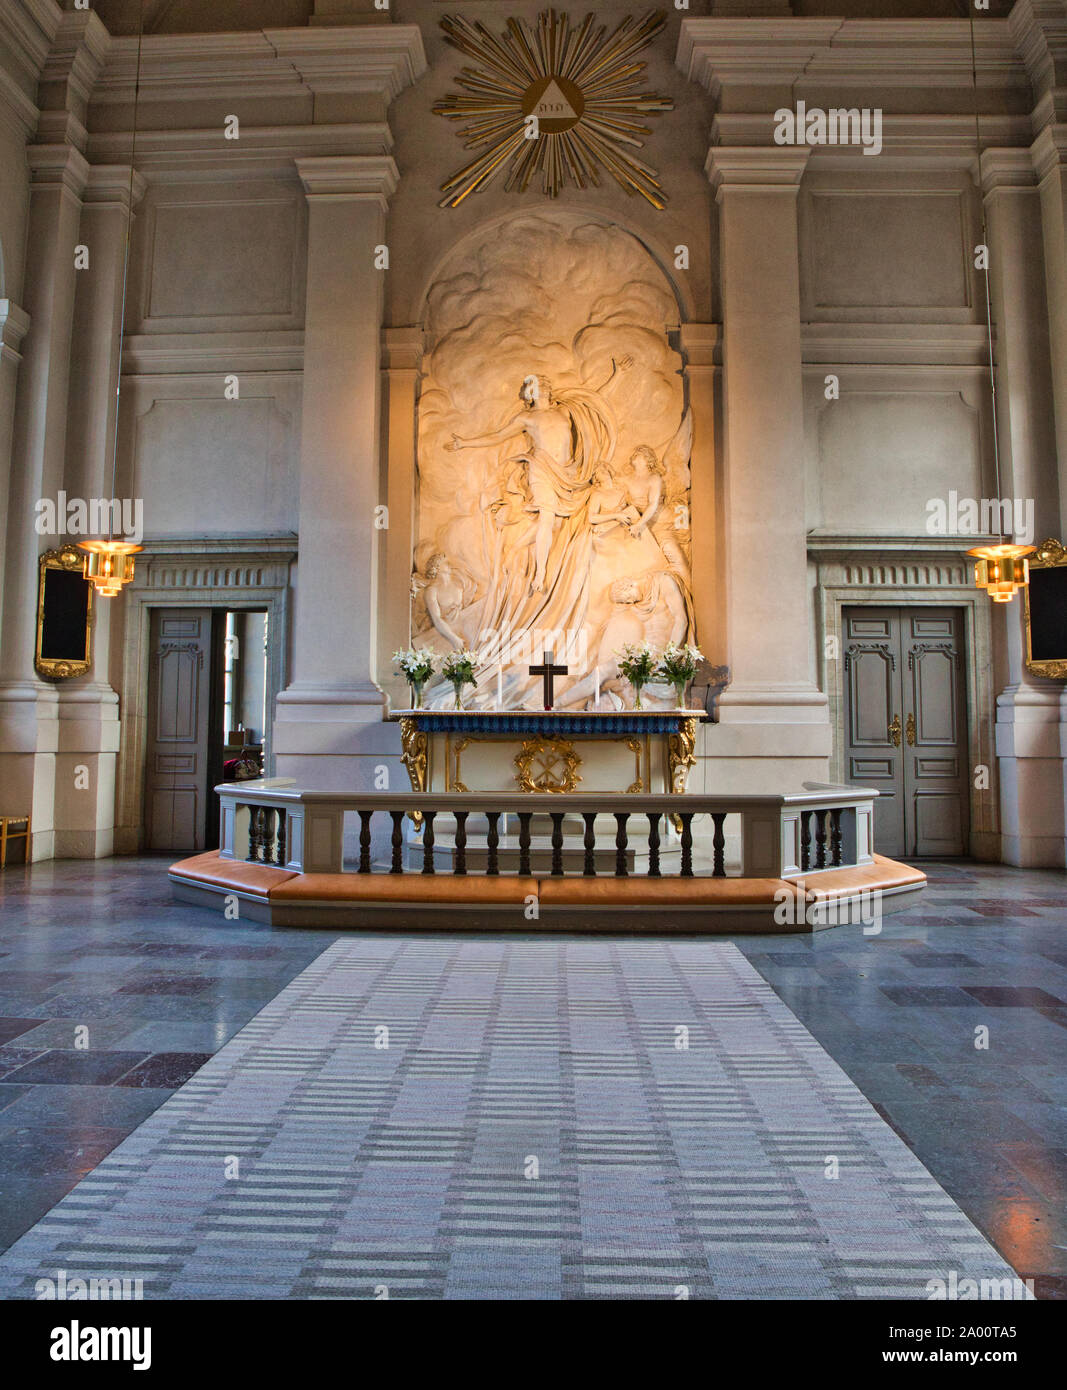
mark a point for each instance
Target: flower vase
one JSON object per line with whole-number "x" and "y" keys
{"x": 416, "y": 694}
{"x": 637, "y": 694}
{"x": 679, "y": 693}
{"x": 457, "y": 686}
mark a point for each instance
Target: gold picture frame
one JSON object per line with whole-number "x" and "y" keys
{"x": 64, "y": 616}
{"x": 1050, "y": 554}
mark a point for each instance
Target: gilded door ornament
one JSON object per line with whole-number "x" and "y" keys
{"x": 547, "y": 765}
{"x": 553, "y": 100}
{"x": 681, "y": 755}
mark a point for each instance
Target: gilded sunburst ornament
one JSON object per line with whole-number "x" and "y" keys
{"x": 560, "y": 101}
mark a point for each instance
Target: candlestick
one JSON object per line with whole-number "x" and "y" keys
{"x": 596, "y": 687}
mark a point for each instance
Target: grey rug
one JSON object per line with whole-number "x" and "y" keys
{"x": 540, "y": 1119}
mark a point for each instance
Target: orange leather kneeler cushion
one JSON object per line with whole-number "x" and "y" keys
{"x": 867, "y": 878}
{"x": 230, "y": 873}
{"x": 404, "y": 888}
{"x": 660, "y": 892}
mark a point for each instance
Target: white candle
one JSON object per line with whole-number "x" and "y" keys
{"x": 596, "y": 687}
{"x": 550, "y": 658}
{"x": 500, "y": 685}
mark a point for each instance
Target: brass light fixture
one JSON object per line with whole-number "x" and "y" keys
{"x": 1000, "y": 568}
{"x": 109, "y": 563}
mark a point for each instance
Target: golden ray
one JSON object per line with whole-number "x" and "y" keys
{"x": 596, "y": 116}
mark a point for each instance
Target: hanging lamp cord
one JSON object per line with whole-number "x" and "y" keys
{"x": 126, "y": 273}
{"x": 985, "y": 243}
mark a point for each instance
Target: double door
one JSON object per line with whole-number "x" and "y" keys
{"x": 905, "y": 726}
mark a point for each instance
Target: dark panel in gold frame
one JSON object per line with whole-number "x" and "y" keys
{"x": 64, "y": 616}
{"x": 1046, "y": 612}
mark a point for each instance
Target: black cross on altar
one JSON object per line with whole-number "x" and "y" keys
{"x": 548, "y": 672}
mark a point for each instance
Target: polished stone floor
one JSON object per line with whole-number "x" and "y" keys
{"x": 111, "y": 996}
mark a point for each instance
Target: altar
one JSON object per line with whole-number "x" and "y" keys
{"x": 628, "y": 751}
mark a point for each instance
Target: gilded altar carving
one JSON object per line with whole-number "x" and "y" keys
{"x": 547, "y": 765}
{"x": 681, "y": 755}
{"x": 415, "y": 756}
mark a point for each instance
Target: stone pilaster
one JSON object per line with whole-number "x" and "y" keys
{"x": 328, "y": 729}
{"x": 1028, "y": 708}
{"x": 772, "y": 711}
{"x": 89, "y": 707}
{"x": 28, "y": 725}
{"x": 402, "y": 350}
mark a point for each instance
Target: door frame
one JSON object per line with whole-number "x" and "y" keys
{"x": 898, "y": 572}
{"x": 225, "y": 573}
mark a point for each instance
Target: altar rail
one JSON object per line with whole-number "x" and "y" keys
{"x": 782, "y": 836}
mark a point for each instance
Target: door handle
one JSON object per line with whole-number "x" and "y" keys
{"x": 894, "y": 731}
{"x": 910, "y": 731}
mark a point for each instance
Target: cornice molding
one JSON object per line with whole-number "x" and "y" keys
{"x": 29, "y": 30}
{"x": 16, "y": 108}
{"x": 109, "y": 186}
{"x": 57, "y": 166}
{"x": 701, "y": 344}
{"x": 200, "y": 154}
{"x": 402, "y": 348}
{"x": 344, "y": 178}
{"x": 881, "y": 345}
{"x": 204, "y": 354}
{"x": 762, "y": 169}
{"x": 1049, "y": 151}
{"x": 14, "y": 325}
{"x": 1005, "y": 169}
{"x": 367, "y": 59}
{"x": 1039, "y": 31}
{"x": 772, "y": 53}
{"x": 918, "y": 141}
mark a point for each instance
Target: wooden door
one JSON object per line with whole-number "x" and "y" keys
{"x": 905, "y": 726}
{"x": 179, "y": 700}
{"x": 873, "y": 722}
{"x": 936, "y": 781}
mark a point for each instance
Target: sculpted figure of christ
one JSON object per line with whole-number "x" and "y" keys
{"x": 566, "y": 436}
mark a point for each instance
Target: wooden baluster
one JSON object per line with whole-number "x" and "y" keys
{"x": 589, "y": 869}
{"x": 493, "y": 841}
{"x": 283, "y": 820}
{"x": 718, "y": 845}
{"x": 525, "y": 817}
{"x": 653, "y": 844}
{"x": 398, "y": 842}
{"x": 428, "y": 818}
{"x": 271, "y": 841}
{"x": 686, "y": 817}
{"x": 805, "y": 840}
{"x": 836, "y": 839}
{"x": 557, "y": 842}
{"x": 256, "y": 836}
{"x": 461, "y": 842}
{"x": 364, "y": 841}
{"x": 820, "y": 839}
{"x": 621, "y": 870}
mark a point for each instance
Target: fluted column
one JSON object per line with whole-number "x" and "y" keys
{"x": 323, "y": 719}
{"x": 772, "y": 710}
